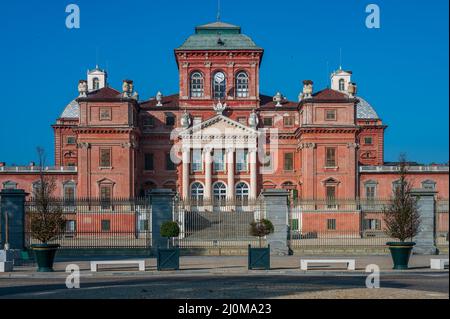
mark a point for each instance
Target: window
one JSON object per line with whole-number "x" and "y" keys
{"x": 170, "y": 120}
{"x": 95, "y": 84}
{"x": 241, "y": 160}
{"x": 288, "y": 161}
{"x": 197, "y": 85}
{"x": 9, "y": 185}
{"x": 331, "y": 224}
{"x": 196, "y": 160}
{"x": 36, "y": 188}
{"x": 69, "y": 194}
{"x": 371, "y": 191}
{"x": 372, "y": 224}
{"x": 368, "y": 140}
{"x": 71, "y": 140}
{"x": 396, "y": 185}
{"x": 105, "y": 196}
{"x": 105, "y": 114}
{"x": 242, "y": 192}
{"x": 106, "y": 225}
{"x": 294, "y": 225}
{"x": 170, "y": 166}
{"x": 242, "y": 120}
{"x": 105, "y": 157}
{"x": 242, "y": 85}
{"x": 268, "y": 121}
{"x": 148, "y": 122}
{"x": 428, "y": 184}
{"x": 71, "y": 164}
{"x": 341, "y": 85}
{"x": 330, "y": 115}
{"x": 71, "y": 227}
{"x": 219, "y": 160}
{"x": 331, "y": 196}
{"x": 288, "y": 121}
{"x": 197, "y": 191}
{"x": 219, "y": 86}
{"x": 220, "y": 192}
{"x": 330, "y": 160}
{"x": 149, "y": 162}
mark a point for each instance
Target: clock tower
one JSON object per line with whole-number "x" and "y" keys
{"x": 219, "y": 64}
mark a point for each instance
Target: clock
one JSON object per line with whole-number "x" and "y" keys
{"x": 219, "y": 77}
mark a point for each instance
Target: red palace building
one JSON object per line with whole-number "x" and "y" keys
{"x": 219, "y": 136}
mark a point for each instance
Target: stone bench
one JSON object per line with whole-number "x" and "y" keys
{"x": 350, "y": 263}
{"x": 438, "y": 264}
{"x": 140, "y": 263}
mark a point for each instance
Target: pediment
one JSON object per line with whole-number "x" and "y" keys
{"x": 220, "y": 125}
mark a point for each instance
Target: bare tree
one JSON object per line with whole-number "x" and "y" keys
{"x": 46, "y": 220}
{"x": 402, "y": 216}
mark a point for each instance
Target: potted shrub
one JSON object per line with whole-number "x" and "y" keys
{"x": 259, "y": 258}
{"x": 46, "y": 220}
{"x": 402, "y": 220}
{"x": 169, "y": 258}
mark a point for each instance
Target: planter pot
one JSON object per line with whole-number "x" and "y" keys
{"x": 258, "y": 258}
{"x": 45, "y": 256}
{"x": 168, "y": 259}
{"x": 400, "y": 253}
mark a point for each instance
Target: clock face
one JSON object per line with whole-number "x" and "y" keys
{"x": 219, "y": 77}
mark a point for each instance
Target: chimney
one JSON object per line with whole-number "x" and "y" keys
{"x": 127, "y": 88}
{"x": 82, "y": 88}
{"x": 2, "y": 164}
{"x": 307, "y": 89}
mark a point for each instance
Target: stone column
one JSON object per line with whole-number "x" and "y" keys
{"x": 230, "y": 172}
{"x": 253, "y": 174}
{"x": 208, "y": 173}
{"x": 186, "y": 160}
{"x": 425, "y": 239}
{"x": 13, "y": 203}
{"x": 276, "y": 210}
{"x": 162, "y": 203}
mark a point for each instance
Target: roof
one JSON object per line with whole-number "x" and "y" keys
{"x": 218, "y": 36}
{"x": 71, "y": 111}
{"x": 167, "y": 101}
{"x": 104, "y": 93}
{"x": 267, "y": 101}
{"x": 330, "y": 95}
{"x": 364, "y": 110}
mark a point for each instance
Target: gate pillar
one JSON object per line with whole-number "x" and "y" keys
{"x": 12, "y": 202}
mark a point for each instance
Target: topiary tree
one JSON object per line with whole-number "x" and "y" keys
{"x": 47, "y": 221}
{"x": 402, "y": 216}
{"x": 261, "y": 228}
{"x": 170, "y": 229}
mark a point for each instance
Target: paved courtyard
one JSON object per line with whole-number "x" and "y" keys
{"x": 228, "y": 277}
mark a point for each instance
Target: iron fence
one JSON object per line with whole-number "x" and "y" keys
{"x": 217, "y": 223}
{"x": 97, "y": 223}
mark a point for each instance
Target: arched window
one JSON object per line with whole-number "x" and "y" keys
{"x": 197, "y": 191}
{"x": 95, "y": 84}
{"x": 197, "y": 85}
{"x": 242, "y": 192}
{"x": 220, "y": 192}
{"x": 341, "y": 85}
{"x": 242, "y": 84}
{"x": 219, "y": 85}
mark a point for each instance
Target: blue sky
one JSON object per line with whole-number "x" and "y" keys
{"x": 401, "y": 68}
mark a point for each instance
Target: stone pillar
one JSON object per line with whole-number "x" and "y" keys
{"x": 276, "y": 209}
{"x": 425, "y": 239}
{"x": 12, "y": 202}
{"x": 253, "y": 174}
{"x": 186, "y": 157}
{"x": 208, "y": 173}
{"x": 162, "y": 203}
{"x": 230, "y": 172}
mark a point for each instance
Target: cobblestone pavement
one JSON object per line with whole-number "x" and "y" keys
{"x": 228, "y": 278}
